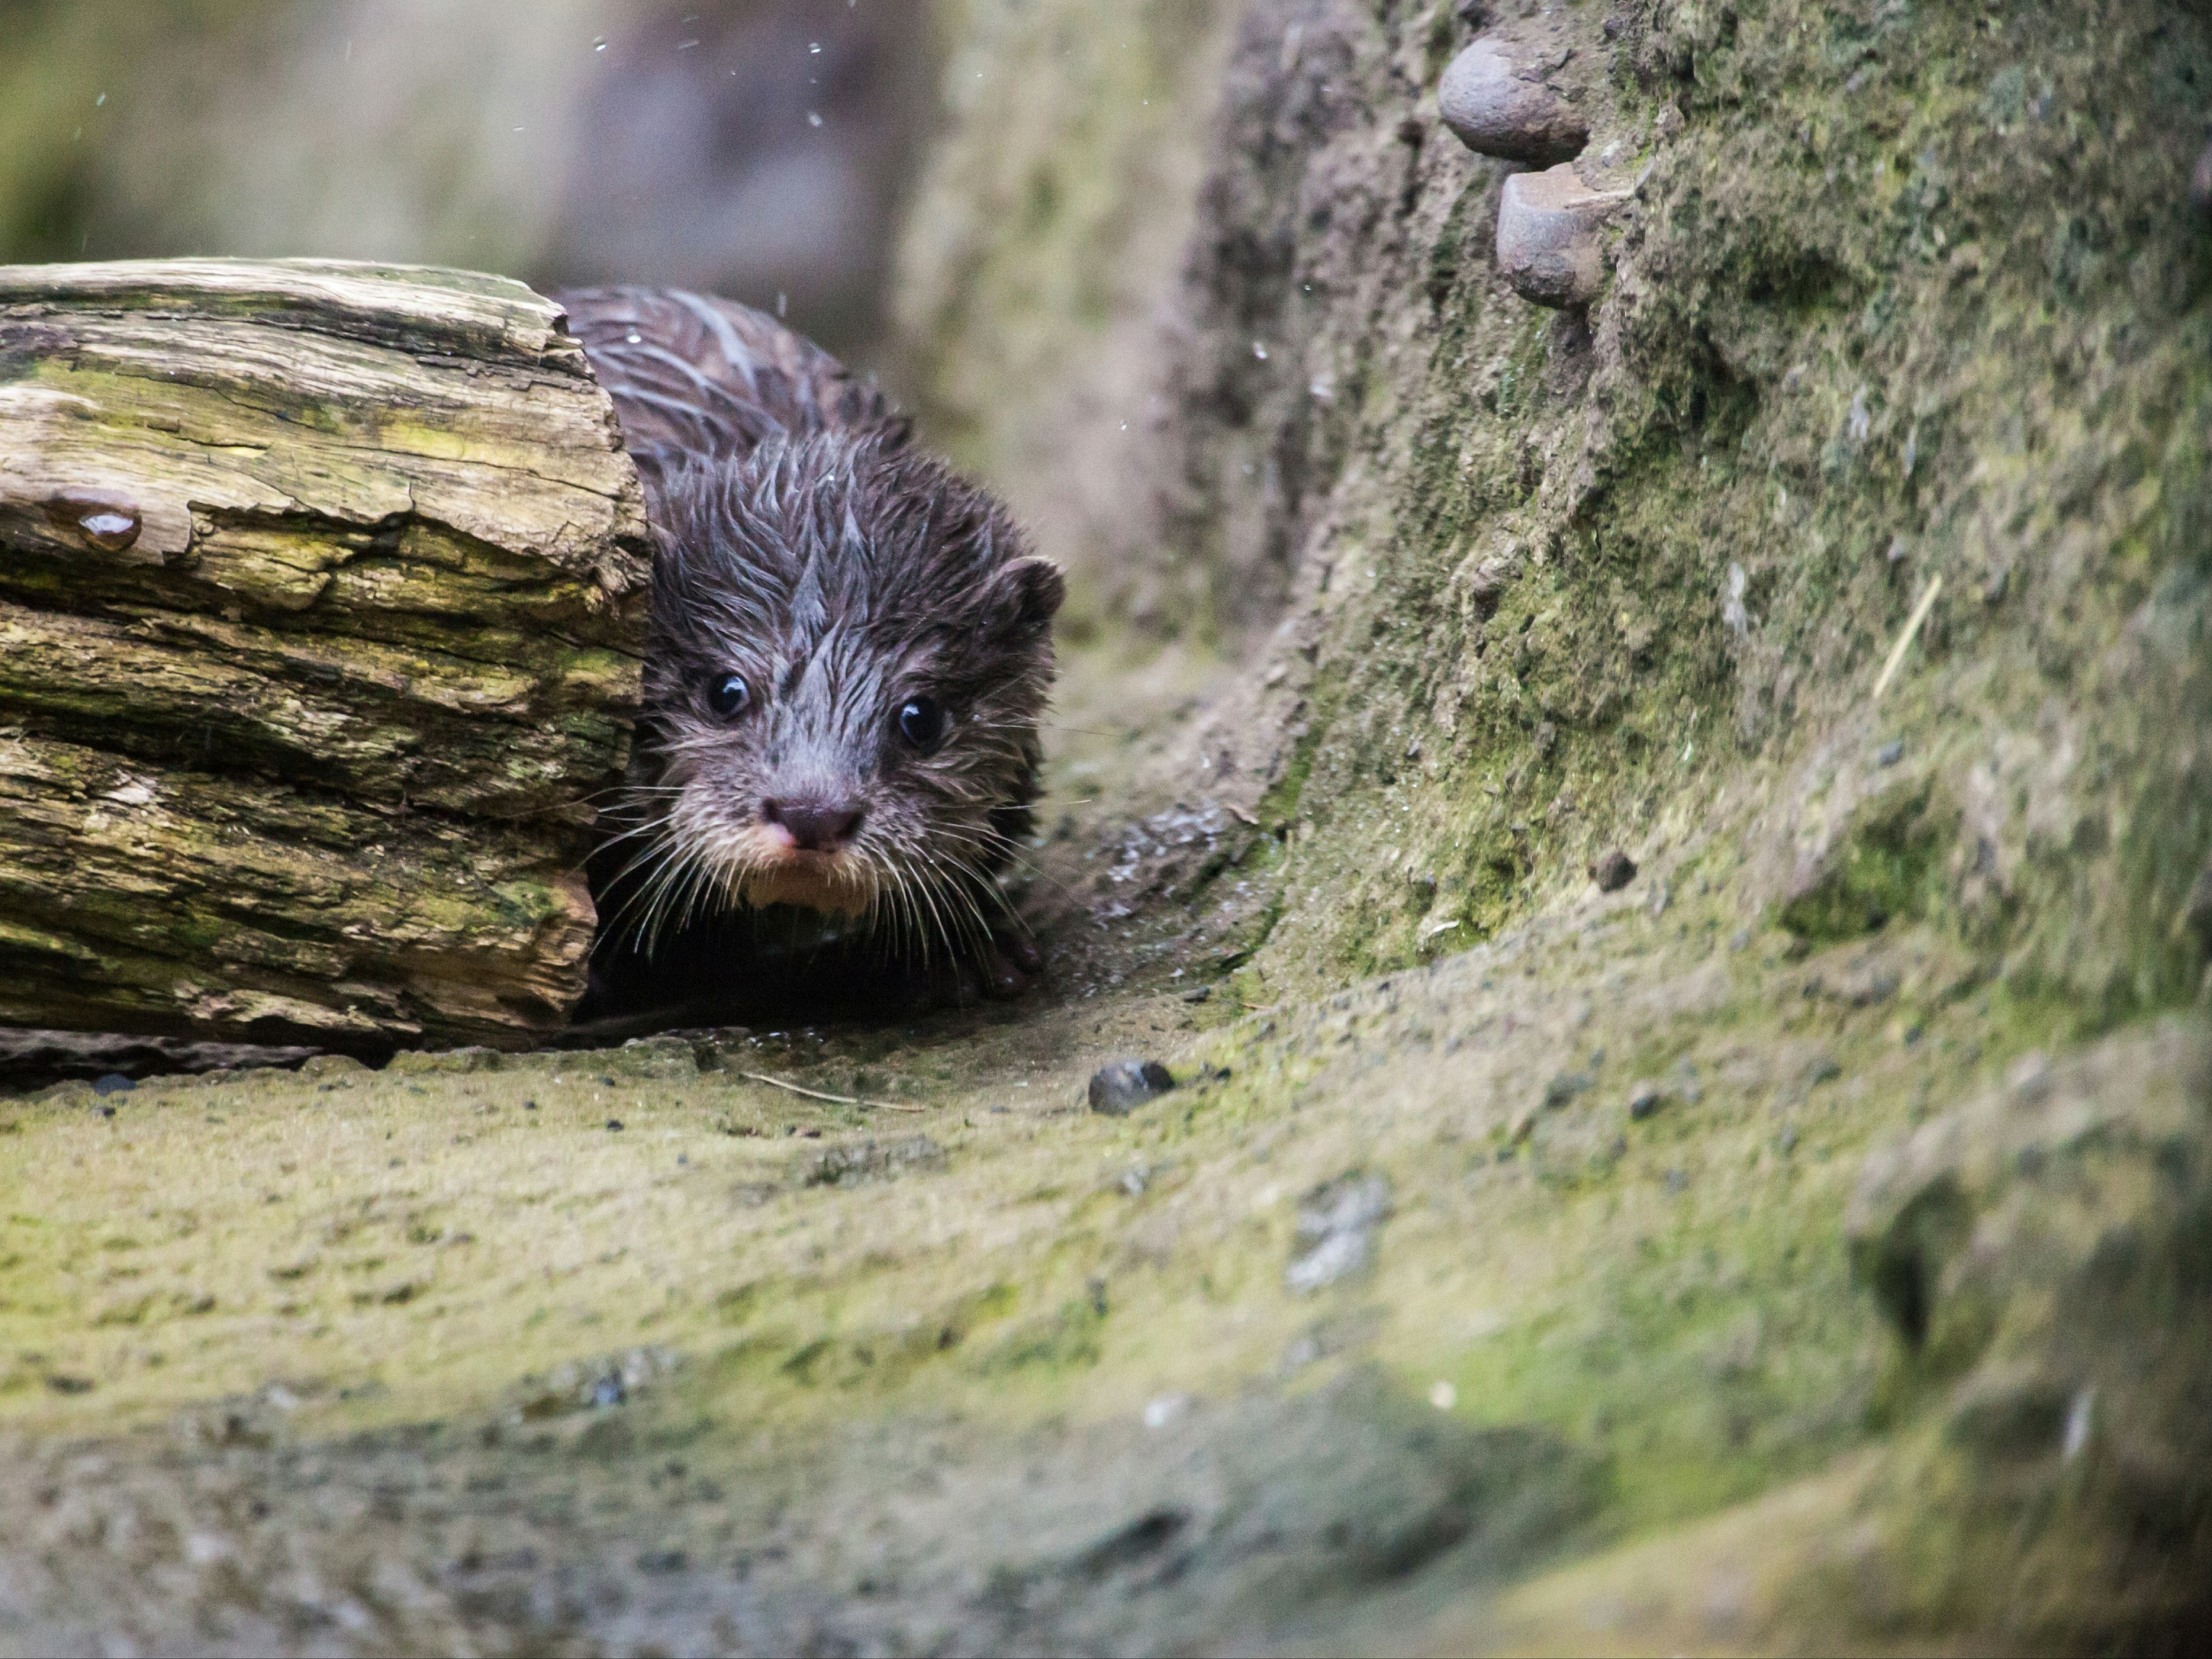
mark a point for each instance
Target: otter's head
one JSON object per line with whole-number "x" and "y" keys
{"x": 850, "y": 651}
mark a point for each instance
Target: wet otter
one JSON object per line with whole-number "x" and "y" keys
{"x": 850, "y": 648}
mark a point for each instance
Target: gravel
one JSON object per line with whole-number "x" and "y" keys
{"x": 1119, "y": 1088}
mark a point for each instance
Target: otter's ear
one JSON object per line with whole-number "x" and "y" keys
{"x": 1031, "y": 590}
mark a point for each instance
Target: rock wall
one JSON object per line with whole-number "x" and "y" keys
{"x": 1841, "y": 565}
{"x": 1897, "y": 296}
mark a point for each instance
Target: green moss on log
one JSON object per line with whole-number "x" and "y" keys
{"x": 320, "y": 593}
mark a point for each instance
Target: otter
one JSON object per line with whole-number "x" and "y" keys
{"x": 849, "y": 650}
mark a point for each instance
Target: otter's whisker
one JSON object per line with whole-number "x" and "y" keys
{"x": 954, "y": 889}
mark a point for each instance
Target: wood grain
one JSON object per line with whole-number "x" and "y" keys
{"x": 321, "y": 593}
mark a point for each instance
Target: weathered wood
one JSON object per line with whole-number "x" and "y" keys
{"x": 321, "y": 589}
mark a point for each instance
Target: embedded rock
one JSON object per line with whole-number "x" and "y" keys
{"x": 1612, "y": 871}
{"x": 1547, "y": 236}
{"x": 1501, "y": 107}
{"x": 1337, "y": 1223}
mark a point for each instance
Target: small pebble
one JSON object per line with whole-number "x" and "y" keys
{"x": 1645, "y": 1099}
{"x": 1443, "y": 1395}
{"x": 113, "y": 1084}
{"x": 1565, "y": 1087}
{"x": 1613, "y": 872}
{"x": 614, "y": 1126}
{"x": 1890, "y": 753}
{"x": 1204, "y": 993}
{"x": 1119, "y": 1089}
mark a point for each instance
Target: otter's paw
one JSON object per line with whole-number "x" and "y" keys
{"x": 1010, "y": 966}
{"x": 1006, "y": 968}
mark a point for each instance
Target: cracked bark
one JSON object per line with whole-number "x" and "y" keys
{"x": 321, "y": 592}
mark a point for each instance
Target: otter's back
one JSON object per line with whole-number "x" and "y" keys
{"x": 692, "y": 375}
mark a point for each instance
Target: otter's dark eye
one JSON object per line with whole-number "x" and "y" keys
{"x": 921, "y": 723}
{"x": 728, "y": 695}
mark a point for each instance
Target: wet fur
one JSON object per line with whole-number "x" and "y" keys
{"x": 804, "y": 544}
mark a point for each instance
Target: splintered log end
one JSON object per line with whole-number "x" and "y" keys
{"x": 322, "y": 592}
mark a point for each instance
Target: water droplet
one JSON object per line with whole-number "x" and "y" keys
{"x": 814, "y": 47}
{"x": 111, "y": 533}
{"x": 111, "y": 526}
{"x": 598, "y": 46}
{"x": 635, "y": 339}
{"x": 814, "y": 118}
{"x": 99, "y": 102}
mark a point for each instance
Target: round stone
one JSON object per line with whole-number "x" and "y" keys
{"x": 1501, "y": 107}
{"x": 1613, "y": 872}
{"x": 1547, "y": 236}
{"x": 1119, "y": 1089}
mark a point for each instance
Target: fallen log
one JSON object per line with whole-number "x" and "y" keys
{"x": 321, "y": 592}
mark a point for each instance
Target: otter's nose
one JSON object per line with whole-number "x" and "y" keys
{"x": 816, "y": 826}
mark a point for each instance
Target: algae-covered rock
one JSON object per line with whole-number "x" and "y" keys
{"x": 2043, "y": 1256}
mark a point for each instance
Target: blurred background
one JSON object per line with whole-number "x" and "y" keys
{"x": 988, "y": 203}
{"x": 757, "y": 149}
